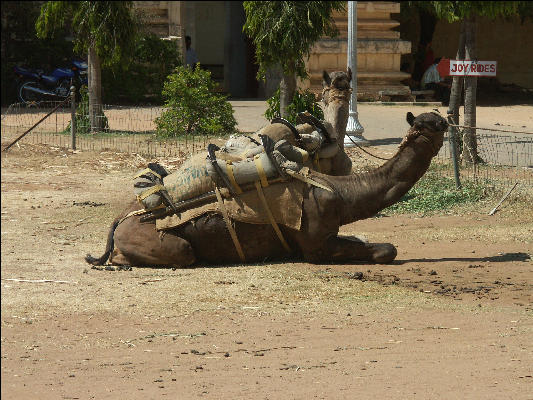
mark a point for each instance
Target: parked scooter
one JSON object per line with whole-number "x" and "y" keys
{"x": 36, "y": 86}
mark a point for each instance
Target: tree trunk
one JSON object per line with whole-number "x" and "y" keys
{"x": 287, "y": 88}
{"x": 95, "y": 91}
{"x": 470, "y": 154}
{"x": 457, "y": 88}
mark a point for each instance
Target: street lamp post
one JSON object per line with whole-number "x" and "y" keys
{"x": 354, "y": 130}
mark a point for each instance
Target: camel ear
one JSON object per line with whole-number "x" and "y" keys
{"x": 326, "y": 78}
{"x": 410, "y": 118}
{"x": 349, "y": 71}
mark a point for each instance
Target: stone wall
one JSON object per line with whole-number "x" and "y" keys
{"x": 379, "y": 51}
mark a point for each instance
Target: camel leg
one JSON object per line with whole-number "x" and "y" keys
{"x": 141, "y": 244}
{"x": 349, "y": 249}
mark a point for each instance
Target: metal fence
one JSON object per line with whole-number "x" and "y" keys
{"x": 508, "y": 156}
{"x": 130, "y": 129}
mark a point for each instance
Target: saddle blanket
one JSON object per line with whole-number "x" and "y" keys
{"x": 284, "y": 199}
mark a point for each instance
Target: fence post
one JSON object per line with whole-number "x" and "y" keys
{"x": 453, "y": 150}
{"x": 73, "y": 117}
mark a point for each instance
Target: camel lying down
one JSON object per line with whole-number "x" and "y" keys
{"x": 206, "y": 239}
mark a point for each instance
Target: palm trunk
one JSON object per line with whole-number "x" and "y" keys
{"x": 287, "y": 88}
{"x": 457, "y": 83}
{"x": 95, "y": 91}
{"x": 470, "y": 154}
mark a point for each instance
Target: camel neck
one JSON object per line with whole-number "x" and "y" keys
{"x": 336, "y": 113}
{"x": 364, "y": 195}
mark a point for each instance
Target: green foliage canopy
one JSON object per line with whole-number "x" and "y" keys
{"x": 108, "y": 26}
{"x": 152, "y": 61}
{"x": 453, "y": 11}
{"x": 302, "y": 101}
{"x": 284, "y": 31}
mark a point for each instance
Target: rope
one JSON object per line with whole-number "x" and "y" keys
{"x": 490, "y": 129}
{"x": 457, "y": 126}
{"x": 370, "y": 154}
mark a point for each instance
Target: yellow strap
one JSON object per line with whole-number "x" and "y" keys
{"x": 260, "y": 171}
{"x": 145, "y": 171}
{"x": 232, "y": 232}
{"x": 307, "y": 180}
{"x": 316, "y": 162}
{"x": 148, "y": 192}
{"x": 131, "y": 214}
{"x": 271, "y": 217}
{"x": 305, "y": 154}
{"x": 231, "y": 176}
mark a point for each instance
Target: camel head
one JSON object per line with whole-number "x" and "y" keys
{"x": 429, "y": 126}
{"x": 336, "y": 86}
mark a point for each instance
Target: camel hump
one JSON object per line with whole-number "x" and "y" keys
{"x": 278, "y": 132}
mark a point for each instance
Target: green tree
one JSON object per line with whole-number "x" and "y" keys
{"x": 283, "y": 33}
{"x": 104, "y": 30}
{"x": 467, "y": 12}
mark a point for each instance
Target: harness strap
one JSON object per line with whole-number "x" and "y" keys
{"x": 304, "y": 153}
{"x": 307, "y": 180}
{"x": 131, "y": 214}
{"x": 271, "y": 217}
{"x": 231, "y": 176}
{"x": 152, "y": 190}
{"x": 231, "y": 230}
{"x": 316, "y": 162}
{"x": 146, "y": 171}
{"x": 261, "y": 171}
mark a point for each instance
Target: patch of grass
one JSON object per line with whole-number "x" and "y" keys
{"x": 438, "y": 193}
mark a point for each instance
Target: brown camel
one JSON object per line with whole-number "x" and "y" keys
{"x": 206, "y": 239}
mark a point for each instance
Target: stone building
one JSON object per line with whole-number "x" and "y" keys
{"x": 215, "y": 28}
{"x": 216, "y": 31}
{"x": 379, "y": 51}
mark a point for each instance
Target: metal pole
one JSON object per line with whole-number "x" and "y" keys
{"x": 73, "y": 117}
{"x": 354, "y": 130}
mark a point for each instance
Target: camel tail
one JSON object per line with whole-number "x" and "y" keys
{"x": 109, "y": 246}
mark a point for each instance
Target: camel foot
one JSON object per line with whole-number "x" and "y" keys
{"x": 383, "y": 253}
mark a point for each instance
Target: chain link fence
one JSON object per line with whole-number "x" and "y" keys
{"x": 508, "y": 157}
{"x": 129, "y": 129}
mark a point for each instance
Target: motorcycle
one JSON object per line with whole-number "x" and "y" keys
{"x": 36, "y": 86}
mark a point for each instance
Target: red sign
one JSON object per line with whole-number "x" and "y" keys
{"x": 466, "y": 68}
{"x": 444, "y": 67}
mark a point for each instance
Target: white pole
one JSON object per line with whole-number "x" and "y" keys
{"x": 354, "y": 130}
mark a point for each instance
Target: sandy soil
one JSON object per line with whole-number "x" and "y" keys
{"x": 451, "y": 318}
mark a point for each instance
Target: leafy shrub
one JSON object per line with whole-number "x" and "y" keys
{"x": 192, "y": 107}
{"x": 302, "y": 101}
{"x": 143, "y": 78}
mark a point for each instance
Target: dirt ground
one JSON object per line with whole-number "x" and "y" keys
{"x": 450, "y": 318}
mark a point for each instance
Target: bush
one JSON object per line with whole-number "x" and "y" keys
{"x": 192, "y": 107}
{"x": 143, "y": 78}
{"x": 302, "y": 101}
